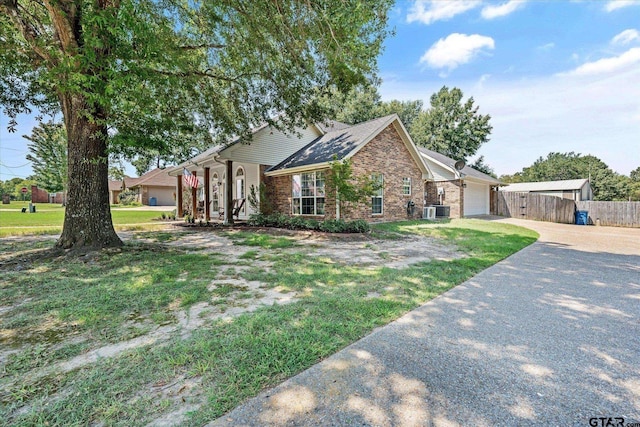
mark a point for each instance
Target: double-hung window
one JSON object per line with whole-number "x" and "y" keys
{"x": 406, "y": 186}
{"x": 308, "y": 193}
{"x": 376, "y": 198}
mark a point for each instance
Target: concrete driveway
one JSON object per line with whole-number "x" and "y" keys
{"x": 547, "y": 337}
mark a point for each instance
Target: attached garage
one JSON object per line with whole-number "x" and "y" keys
{"x": 465, "y": 190}
{"x": 476, "y": 199}
{"x": 164, "y": 196}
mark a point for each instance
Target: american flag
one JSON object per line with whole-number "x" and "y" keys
{"x": 190, "y": 179}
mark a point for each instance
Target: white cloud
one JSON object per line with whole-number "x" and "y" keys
{"x": 626, "y": 37}
{"x": 607, "y": 65}
{"x": 532, "y": 117}
{"x": 618, "y": 4}
{"x": 429, "y": 11}
{"x": 455, "y": 50}
{"x": 496, "y": 11}
{"x": 547, "y": 46}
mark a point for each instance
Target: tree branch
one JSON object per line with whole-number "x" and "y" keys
{"x": 63, "y": 22}
{"x": 204, "y": 46}
{"x": 206, "y": 73}
{"x": 27, "y": 30}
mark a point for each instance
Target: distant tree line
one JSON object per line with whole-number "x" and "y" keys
{"x": 606, "y": 184}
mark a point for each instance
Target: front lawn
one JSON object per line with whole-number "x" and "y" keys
{"x": 48, "y": 219}
{"x": 174, "y": 296}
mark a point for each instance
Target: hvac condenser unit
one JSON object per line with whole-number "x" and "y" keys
{"x": 429, "y": 212}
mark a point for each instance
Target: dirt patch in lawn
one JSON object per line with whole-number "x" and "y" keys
{"x": 228, "y": 295}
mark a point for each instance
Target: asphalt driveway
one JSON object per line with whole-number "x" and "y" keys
{"x": 549, "y": 336}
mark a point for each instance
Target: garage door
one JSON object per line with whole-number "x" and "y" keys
{"x": 164, "y": 196}
{"x": 476, "y": 199}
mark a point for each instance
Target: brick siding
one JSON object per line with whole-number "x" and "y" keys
{"x": 386, "y": 154}
{"x": 38, "y": 195}
{"x": 453, "y": 196}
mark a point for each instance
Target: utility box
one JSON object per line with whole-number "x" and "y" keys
{"x": 429, "y": 212}
{"x": 443, "y": 211}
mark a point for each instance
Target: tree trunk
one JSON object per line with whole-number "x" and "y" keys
{"x": 87, "y": 220}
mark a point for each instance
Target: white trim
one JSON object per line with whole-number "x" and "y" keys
{"x": 315, "y": 197}
{"x": 299, "y": 169}
{"x": 381, "y": 196}
{"x": 410, "y": 186}
{"x": 456, "y": 173}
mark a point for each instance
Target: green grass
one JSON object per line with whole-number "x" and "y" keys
{"x": 62, "y": 298}
{"x": 48, "y": 219}
{"x": 265, "y": 241}
{"x": 232, "y": 360}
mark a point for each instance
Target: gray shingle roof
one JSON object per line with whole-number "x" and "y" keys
{"x": 449, "y": 162}
{"x": 331, "y": 125}
{"x": 564, "y": 185}
{"x": 338, "y": 142}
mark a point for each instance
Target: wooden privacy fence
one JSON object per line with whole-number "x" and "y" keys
{"x": 535, "y": 206}
{"x": 617, "y": 214}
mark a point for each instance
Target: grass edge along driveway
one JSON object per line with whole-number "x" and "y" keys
{"x": 226, "y": 362}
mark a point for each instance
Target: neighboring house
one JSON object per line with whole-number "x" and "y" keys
{"x": 294, "y": 170}
{"x": 39, "y": 195}
{"x": 573, "y": 189}
{"x": 154, "y": 188}
{"x": 115, "y": 188}
{"x": 467, "y": 192}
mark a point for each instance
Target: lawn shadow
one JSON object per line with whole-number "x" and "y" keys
{"x": 548, "y": 336}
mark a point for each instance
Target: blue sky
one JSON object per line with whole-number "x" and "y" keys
{"x": 554, "y": 76}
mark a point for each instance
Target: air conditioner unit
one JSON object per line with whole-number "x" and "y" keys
{"x": 429, "y": 212}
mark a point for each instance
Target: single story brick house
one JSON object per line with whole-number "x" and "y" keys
{"x": 577, "y": 190}
{"x": 294, "y": 168}
{"x": 115, "y": 188}
{"x": 467, "y": 192}
{"x": 155, "y": 188}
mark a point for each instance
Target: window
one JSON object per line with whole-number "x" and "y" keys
{"x": 406, "y": 186}
{"x": 376, "y": 199}
{"x": 215, "y": 194}
{"x": 240, "y": 185}
{"x": 308, "y": 194}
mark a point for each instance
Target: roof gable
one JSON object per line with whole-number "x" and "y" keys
{"x": 344, "y": 142}
{"x": 157, "y": 177}
{"x": 449, "y": 164}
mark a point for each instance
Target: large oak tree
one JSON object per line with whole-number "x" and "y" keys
{"x": 138, "y": 74}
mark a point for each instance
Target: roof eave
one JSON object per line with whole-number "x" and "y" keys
{"x": 296, "y": 169}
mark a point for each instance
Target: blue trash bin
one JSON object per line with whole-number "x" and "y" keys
{"x": 153, "y": 201}
{"x": 582, "y": 217}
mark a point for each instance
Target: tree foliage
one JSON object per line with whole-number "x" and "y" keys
{"x": 346, "y": 188}
{"x": 48, "y": 156}
{"x": 132, "y": 75}
{"x": 483, "y": 167}
{"x": 13, "y": 188}
{"x": 450, "y": 126}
